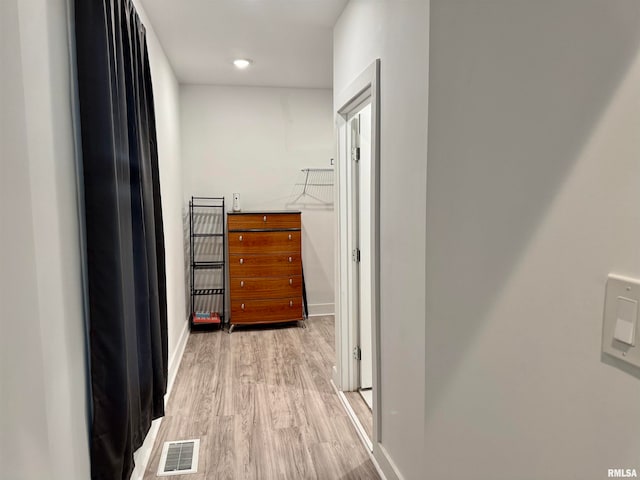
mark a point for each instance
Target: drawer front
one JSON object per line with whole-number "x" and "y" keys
{"x": 256, "y": 221}
{"x": 271, "y": 287}
{"x": 265, "y": 265}
{"x": 264, "y": 242}
{"x": 266, "y": 311}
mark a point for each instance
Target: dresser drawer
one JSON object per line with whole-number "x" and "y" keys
{"x": 264, "y": 242}
{"x": 266, "y": 311}
{"x": 270, "y": 287}
{"x": 261, "y": 221}
{"x": 279, "y": 265}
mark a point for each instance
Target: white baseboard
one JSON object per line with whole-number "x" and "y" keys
{"x": 391, "y": 471}
{"x": 142, "y": 456}
{"x": 174, "y": 361}
{"x": 362, "y": 434}
{"x": 321, "y": 309}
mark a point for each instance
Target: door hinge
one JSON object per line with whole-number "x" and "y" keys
{"x": 356, "y": 255}
{"x": 357, "y": 353}
{"x": 355, "y": 154}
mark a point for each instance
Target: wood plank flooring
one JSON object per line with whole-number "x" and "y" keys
{"x": 362, "y": 411}
{"x": 261, "y": 402}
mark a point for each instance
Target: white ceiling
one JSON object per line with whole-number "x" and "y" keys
{"x": 290, "y": 41}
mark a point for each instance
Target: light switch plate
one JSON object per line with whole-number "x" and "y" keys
{"x": 620, "y": 326}
{"x": 626, "y": 320}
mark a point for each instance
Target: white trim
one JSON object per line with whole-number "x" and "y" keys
{"x": 362, "y": 434}
{"x": 142, "y": 456}
{"x": 391, "y": 471}
{"x": 358, "y": 86}
{"x": 176, "y": 359}
{"x": 341, "y": 272}
{"x": 353, "y": 241}
{"x": 322, "y": 309}
{"x": 366, "y": 85}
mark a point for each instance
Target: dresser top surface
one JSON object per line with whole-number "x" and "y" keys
{"x": 264, "y": 212}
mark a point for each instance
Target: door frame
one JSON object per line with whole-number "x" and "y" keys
{"x": 365, "y": 86}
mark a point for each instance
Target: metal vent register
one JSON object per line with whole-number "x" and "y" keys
{"x": 179, "y": 458}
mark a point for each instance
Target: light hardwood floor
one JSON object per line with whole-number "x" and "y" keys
{"x": 261, "y": 402}
{"x": 362, "y": 411}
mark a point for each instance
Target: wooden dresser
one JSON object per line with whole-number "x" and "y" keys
{"x": 265, "y": 267}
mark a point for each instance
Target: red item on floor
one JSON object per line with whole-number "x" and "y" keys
{"x": 206, "y": 317}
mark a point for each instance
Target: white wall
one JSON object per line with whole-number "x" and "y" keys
{"x": 254, "y": 141}
{"x": 533, "y": 197}
{"x": 397, "y": 33}
{"x": 166, "y": 100}
{"x": 43, "y": 407}
{"x": 44, "y": 380}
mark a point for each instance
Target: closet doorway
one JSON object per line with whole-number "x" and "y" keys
{"x": 360, "y": 138}
{"x": 357, "y": 322}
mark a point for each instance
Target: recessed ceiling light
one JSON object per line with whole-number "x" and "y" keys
{"x": 242, "y": 63}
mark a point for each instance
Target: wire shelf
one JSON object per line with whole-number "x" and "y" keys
{"x": 315, "y": 188}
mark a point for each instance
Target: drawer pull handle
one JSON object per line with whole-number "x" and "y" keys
{"x": 290, "y": 259}
{"x": 264, "y": 219}
{"x": 240, "y": 238}
{"x": 291, "y": 281}
{"x": 291, "y": 303}
{"x": 241, "y": 261}
{"x": 242, "y": 306}
{"x": 289, "y": 236}
{"x": 241, "y": 283}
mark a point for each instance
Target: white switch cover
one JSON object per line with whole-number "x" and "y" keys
{"x": 626, "y": 319}
{"x": 620, "y": 329}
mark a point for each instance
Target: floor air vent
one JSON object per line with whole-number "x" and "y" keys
{"x": 179, "y": 458}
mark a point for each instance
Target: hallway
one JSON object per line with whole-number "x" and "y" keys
{"x": 262, "y": 404}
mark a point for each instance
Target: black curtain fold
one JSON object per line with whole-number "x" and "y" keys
{"x": 124, "y": 229}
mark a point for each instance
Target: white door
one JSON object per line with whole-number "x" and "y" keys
{"x": 361, "y": 138}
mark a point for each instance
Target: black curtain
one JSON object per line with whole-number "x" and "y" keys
{"x": 125, "y": 240}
